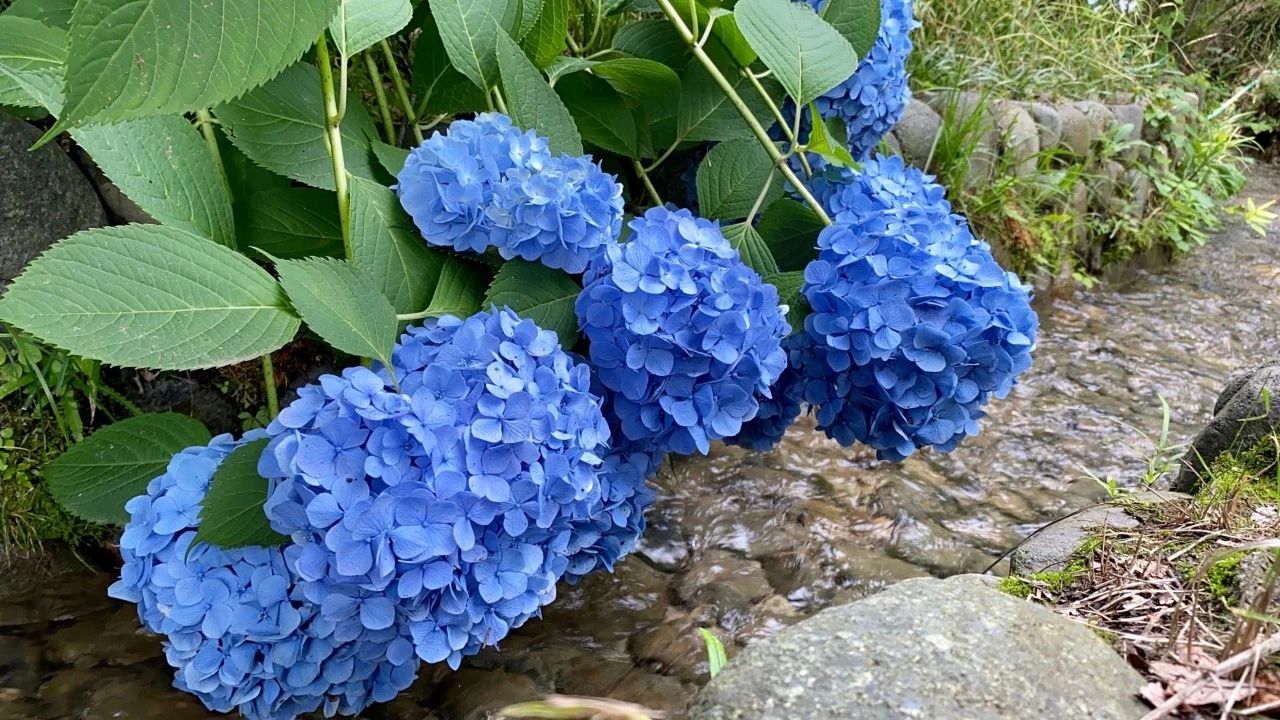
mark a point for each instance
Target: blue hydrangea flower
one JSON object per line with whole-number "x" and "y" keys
{"x": 914, "y": 325}
{"x": 777, "y": 412}
{"x": 873, "y": 99}
{"x": 683, "y": 334}
{"x": 239, "y": 630}
{"x": 451, "y": 489}
{"x": 485, "y": 183}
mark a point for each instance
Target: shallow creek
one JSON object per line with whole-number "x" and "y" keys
{"x": 744, "y": 543}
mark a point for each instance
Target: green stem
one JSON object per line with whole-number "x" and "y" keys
{"x": 663, "y": 157}
{"x": 773, "y": 106}
{"x": 206, "y": 121}
{"x": 384, "y": 112}
{"x": 764, "y": 192}
{"x": 741, "y": 106}
{"x": 499, "y": 102}
{"x": 410, "y": 317}
{"x": 397, "y": 81}
{"x": 648, "y": 184}
{"x": 269, "y": 385}
{"x": 333, "y": 139}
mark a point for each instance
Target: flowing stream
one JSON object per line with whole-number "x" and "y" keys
{"x": 743, "y": 543}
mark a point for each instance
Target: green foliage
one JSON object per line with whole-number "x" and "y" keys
{"x": 360, "y": 24}
{"x": 716, "y": 658}
{"x": 162, "y": 164}
{"x": 128, "y": 59}
{"x": 736, "y": 177}
{"x": 30, "y": 61}
{"x": 277, "y": 127}
{"x": 539, "y": 293}
{"x": 342, "y": 305}
{"x": 95, "y": 478}
{"x": 386, "y": 246}
{"x": 291, "y": 222}
{"x": 231, "y": 515}
{"x": 150, "y": 296}
{"x": 807, "y": 55}
{"x": 533, "y": 104}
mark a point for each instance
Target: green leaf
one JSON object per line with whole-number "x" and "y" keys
{"x": 163, "y": 165}
{"x": 390, "y": 157}
{"x": 470, "y": 30}
{"x": 460, "y": 291}
{"x": 857, "y": 20}
{"x": 291, "y": 222}
{"x": 54, "y": 13}
{"x": 532, "y": 103}
{"x": 360, "y": 24}
{"x": 442, "y": 88}
{"x": 716, "y": 658}
{"x": 791, "y": 230}
{"x": 654, "y": 40}
{"x": 387, "y": 247}
{"x": 545, "y": 41}
{"x": 808, "y": 56}
{"x": 131, "y": 59}
{"x": 232, "y": 515}
{"x": 789, "y": 285}
{"x": 731, "y": 179}
{"x": 538, "y": 293}
{"x": 823, "y": 139}
{"x": 641, "y": 81}
{"x": 95, "y": 477}
{"x": 341, "y": 304}
{"x": 599, "y": 112}
{"x": 246, "y": 177}
{"x": 31, "y": 56}
{"x": 150, "y": 296}
{"x": 529, "y": 12}
{"x": 751, "y": 247}
{"x": 705, "y": 112}
{"x": 280, "y": 126}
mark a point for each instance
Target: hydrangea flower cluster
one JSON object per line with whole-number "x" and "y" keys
{"x": 452, "y": 489}
{"x": 485, "y": 183}
{"x": 914, "y": 325}
{"x": 873, "y": 99}
{"x": 241, "y": 633}
{"x": 683, "y": 334}
{"x": 777, "y": 412}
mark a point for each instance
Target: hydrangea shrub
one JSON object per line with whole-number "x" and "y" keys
{"x": 523, "y": 357}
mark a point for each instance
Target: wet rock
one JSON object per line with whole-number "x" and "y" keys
{"x": 1240, "y": 420}
{"x": 19, "y": 666}
{"x": 927, "y": 649}
{"x": 1130, "y": 119}
{"x": 112, "y": 638}
{"x": 15, "y": 708}
{"x": 144, "y": 695}
{"x": 188, "y": 396}
{"x": 1054, "y": 547}
{"x": 608, "y": 604}
{"x": 675, "y": 647}
{"x": 1048, "y": 123}
{"x": 1098, "y": 115}
{"x": 1019, "y": 138}
{"x": 43, "y": 197}
{"x": 662, "y": 545}
{"x": 66, "y": 596}
{"x": 917, "y": 132}
{"x": 472, "y": 694}
{"x": 657, "y": 692}
{"x": 1077, "y": 131}
{"x": 1139, "y": 193}
{"x": 723, "y": 579}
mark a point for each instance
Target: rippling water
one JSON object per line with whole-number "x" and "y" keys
{"x": 744, "y": 543}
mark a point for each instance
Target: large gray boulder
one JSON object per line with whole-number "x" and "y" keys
{"x": 1247, "y": 410}
{"x": 1019, "y": 138}
{"x": 1131, "y": 119}
{"x": 1048, "y": 123}
{"x": 917, "y": 132}
{"x": 926, "y": 648}
{"x": 1077, "y": 134}
{"x": 43, "y": 197}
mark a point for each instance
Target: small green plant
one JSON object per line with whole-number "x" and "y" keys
{"x": 716, "y": 658}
